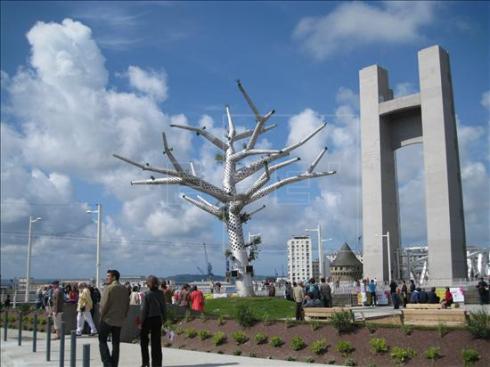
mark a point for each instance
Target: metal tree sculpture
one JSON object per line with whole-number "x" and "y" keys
{"x": 231, "y": 210}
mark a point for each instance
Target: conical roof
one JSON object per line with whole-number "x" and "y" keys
{"x": 345, "y": 257}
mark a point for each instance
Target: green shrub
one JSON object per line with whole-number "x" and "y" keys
{"x": 401, "y": 355}
{"x": 237, "y": 352}
{"x": 179, "y": 331}
{"x": 289, "y": 323}
{"x": 204, "y": 334}
{"x": 244, "y": 316}
{"x": 221, "y": 320}
{"x": 260, "y": 338}
{"x": 350, "y": 362}
{"x": 344, "y": 347}
{"x": 331, "y": 361}
{"x": 342, "y": 321}
{"x": 442, "y": 329}
{"x": 268, "y": 321}
{"x": 319, "y": 346}
{"x": 315, "y": 325}
{"x": 371, "y": 327}
{"x": 252, "y": 354}
{"x": 291, "y": 359}
{"x": 378, "y": 345}
{"x": 433, "y": 353}
{"x": 470, "y": 356}
{"x": 309, "y": 360}
{"x": 219, "y": 338}
{"x": 297, "y": 343}
{"x": 240, "y": 337}
{"x": 276, "y": 341}
{"x": 406, "y": 329}
{"x": 479, "y": 324}
{"x": 190, "y": 332}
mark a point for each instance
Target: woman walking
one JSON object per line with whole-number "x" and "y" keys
{"x": 84, "y": 307}
{"x": 153, "y": 314}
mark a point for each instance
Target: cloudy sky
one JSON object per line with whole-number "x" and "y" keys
{"x": 83, "y": 80}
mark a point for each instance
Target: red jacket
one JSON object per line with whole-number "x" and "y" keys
{"x": 197, "y": 301}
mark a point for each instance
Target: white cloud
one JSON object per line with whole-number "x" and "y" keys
{"x": 485, "y": 100}
{"x": 404, "y": 89}
{"x": 150, "y": 82}
{"x": 355, "y": 24}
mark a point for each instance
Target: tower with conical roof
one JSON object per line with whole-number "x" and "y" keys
{"x": 346, "y": 267}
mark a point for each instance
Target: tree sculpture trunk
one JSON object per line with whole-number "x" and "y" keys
{"x": 231, "y": 211}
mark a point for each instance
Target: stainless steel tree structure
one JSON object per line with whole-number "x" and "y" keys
{"x": 232, "y": 203}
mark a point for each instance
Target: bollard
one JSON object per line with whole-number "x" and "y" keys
{"x": 34, "y": 333}
{"x": 86, "y": 355}
{"x": 5, "y": 325}
{"x": 20, "y": 329}
{"x": 73, "y": 350}
{"x": 62, "y": 344}
{"x": 48, "y": 340}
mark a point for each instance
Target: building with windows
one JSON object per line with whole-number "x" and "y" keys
{"x": 346, "y": 267}
{"x": 300, "y": 262}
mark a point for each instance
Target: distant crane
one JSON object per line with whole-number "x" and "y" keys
{"x": 209, "y": 267}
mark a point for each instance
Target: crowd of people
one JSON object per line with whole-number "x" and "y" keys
{"x": 309, "y": 295}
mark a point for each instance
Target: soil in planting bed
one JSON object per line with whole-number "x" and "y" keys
{"x": 419, "y": 340}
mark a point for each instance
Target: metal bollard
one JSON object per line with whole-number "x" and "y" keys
{"x": 20, "y": 329}
{"x": 62, "y": 344}
{"x": 48, "y": 340}
{"x": 5, "y": 325}
{"x": 73, "y": 350}
{"x": 86, "y": 355}
{"x": 34, "y": 333}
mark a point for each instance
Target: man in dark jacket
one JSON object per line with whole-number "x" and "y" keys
{"x": 114, "y": 308}
{"x": 433, "y": 298}
{"x": 152, "y": 316}
{"x": 325, "y": 293}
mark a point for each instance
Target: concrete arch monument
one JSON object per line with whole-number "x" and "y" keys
{"x": 388, "y": 124}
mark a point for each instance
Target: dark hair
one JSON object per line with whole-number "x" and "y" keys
{"x": 294, "y": 284}
{"x": 114, "y": 273}
{"x": 322, "y": 279}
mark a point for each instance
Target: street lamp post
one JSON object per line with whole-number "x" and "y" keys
{"x": 387, "y": 235}
{"x": 29, "y": 251}
{"x": 318, "y": 230}
{"x": 99, "y": 237}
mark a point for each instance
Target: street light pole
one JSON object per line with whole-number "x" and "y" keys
{"x": 99, "y": 239}
{"x": 29, "y": 252}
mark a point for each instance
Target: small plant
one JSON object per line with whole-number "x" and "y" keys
{"x": 470, "y": 356}
{"x": 297, "y": 343}
{"x": 244, "y": 316}
{"x": 291, "y": 359}
{"x": 260, "y": 338}
{"x": 371, "y": 364}
{"x": 167, "y": 345}
{"x": 442, "y": 329}
{"x": 179, "y": 331}
{"x": 190, "y": 333}
{"x": 331, "y": 361}
{"x": 371, "y": 327}
{"x": 221, "y": 320}
{"x": 203, "y": 317}
{"x": 289, "y": 324}
{"x": 342, "y": 321}
{"x": 350, "y": 362}
{"x": 237, "y": 352}
{"x": 276, "y": 341}
{"x": 219, "y": 338}
{"x": 433, "y": 353}
{"x": 406, "y": 329}
{"x": 267, "y": 320}
{"x": 378, "y": 345}
{"x": 240, "y": 337}
{"x": 252, "y": 354}
{"x": 204, "y": 334}
{"x": 344, "y": 347}
{"x": 319, "y": 346}
{"x": 315, "y": 325}
{"x": 401, "y": 355}
{"x": 309, "y": 360}
{"x": 219, "y": 352}
{"x": 479, "y": 324}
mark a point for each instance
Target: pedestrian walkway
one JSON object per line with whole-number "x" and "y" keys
{"x": 13, "y": 355}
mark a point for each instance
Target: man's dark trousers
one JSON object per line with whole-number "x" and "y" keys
{"x": 152, "y": 325}
{"x": 104, "y": 330}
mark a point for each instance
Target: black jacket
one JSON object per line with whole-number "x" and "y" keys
{"x": 153, "y": 305}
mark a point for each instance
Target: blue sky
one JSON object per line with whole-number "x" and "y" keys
{"x": 83, "y": 80}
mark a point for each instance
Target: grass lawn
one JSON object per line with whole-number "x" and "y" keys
{"x": 272, "y": 308}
